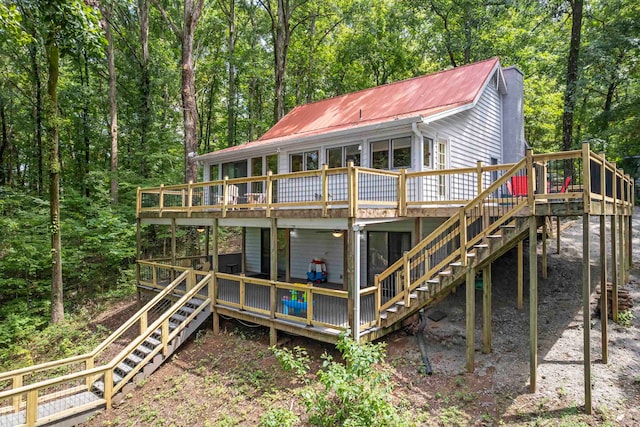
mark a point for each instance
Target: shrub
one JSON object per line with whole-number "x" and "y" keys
{"x": 354, "y": 393}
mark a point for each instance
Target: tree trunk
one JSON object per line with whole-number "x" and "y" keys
{"x": 145, "y": 82}
{"x": 572, "y": 75}
{"x": 113, "y": 106}
{"x": 4, "y": 143}
{"x": 280, "y": 47}
{"x": 192, "y": 11}
{"x": 37, "y": 112}
{"x": 85, "y": 126}
{"x": 57, "y": 307}
{"x": 231, "y": 93}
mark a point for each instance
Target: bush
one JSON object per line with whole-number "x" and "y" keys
{"x": 278, "y": 417}
{"x": 354, "y": 393}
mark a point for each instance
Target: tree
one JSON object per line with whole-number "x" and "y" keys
{"x": 572, "y": 75}
{"x": 106, "y": 9}
{"x": 192, "y": 9}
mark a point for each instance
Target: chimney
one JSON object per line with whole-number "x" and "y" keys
{"x": 513, "y": 143}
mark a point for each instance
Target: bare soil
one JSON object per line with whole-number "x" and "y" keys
{"x": 233, "y": 378}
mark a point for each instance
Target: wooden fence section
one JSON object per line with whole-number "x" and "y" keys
{"x": 557, "y": 176}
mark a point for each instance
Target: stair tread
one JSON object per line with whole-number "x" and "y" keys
{"x": 481, "y": 246}
{"x": 178, "y": 317}
{"x": 433, "y": 281}
{"x": 152, "y": 341}
{"x": 392, "y": 309}
{"x": 494, "y": 236}
{"x": 125, "y": 367}
{"x": 471, "y": 255}
{"x": 383, "y": 315}
{"x": 445, "y": 273}
{"x": 134, "y": 358}
{"x": 508, "y": 226}
{"x": 455, "y": 264}
{"x": 423, "y": 288}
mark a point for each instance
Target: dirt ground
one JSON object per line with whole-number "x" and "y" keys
{"x": 233, "y": 378}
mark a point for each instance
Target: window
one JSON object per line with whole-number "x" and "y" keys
{"x": 235, "y": 169}
{"x": 304, "y": 161}
{"x": 256, "y": 166}
{"x": 391, "y": 153}
{"x": 383, "y": 249}
{"x": 340, "y": 156}
{"x": 272, "y": 163}
{"x": 428, "y": 146}
{"x": 442, "y": 164}
{"x": 214, "y": 173}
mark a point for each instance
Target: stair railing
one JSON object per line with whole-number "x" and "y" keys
{"x": 451, "y": 241}
{"x": 88, "y": 359}
{"x": 80, "y": 363}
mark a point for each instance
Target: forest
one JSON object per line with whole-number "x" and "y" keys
{"x": 99, "y": 97}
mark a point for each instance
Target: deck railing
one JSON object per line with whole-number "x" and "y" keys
{"x": 557, "y": 176}
{"x": 306, "y": 304}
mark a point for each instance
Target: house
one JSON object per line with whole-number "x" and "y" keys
{"x": 450, "y": 119}
{"x": 391, "y": 197}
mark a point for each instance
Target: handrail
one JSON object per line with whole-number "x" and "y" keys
{"x": 107, "y": 341}
{"x": 92, "y": 374}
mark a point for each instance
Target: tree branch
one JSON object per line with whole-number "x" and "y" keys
{"x": 177, "y": 31}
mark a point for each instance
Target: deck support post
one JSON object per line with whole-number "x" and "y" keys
{"x": 586, "y": 321}
{"x": 614, "y": 268}
{"x": 287, "y": 255}
{"x": 557, "y": 234}
{"x": 173, "y": 245}
{"x": 629, "y": 241}
{"x": 544, "y": 248}
{"x": 138, "y": 254}
{"x": 486, "y": 309}
{"x": 214, "y": 270}
{"x": 273, "y": 267}
{"x": 243, "y": 258}
{"x": 533, "y": 304}
{"x": 519, "y": 303}
{"x": 351, "y": 268}
{"x": 604, "y": 294}
{"x": 470, "y": 318}
{"x": 356, "y": 282}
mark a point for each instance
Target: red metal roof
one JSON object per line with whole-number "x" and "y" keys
{"x": 421, "y": 96}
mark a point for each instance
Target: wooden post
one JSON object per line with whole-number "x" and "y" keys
{"x": 225, "y": 196}
{"x": 402, "y": 193}
{"x": 463, "y": 237}
{"x": 406, "y": 277}
{"x": 621, "y": 254}
{"x": 17, "y": 400}
{"x": 544, "y": 248}
{"x": 138, "y": 255}
{"x": 486, "y": 309}
{"x": 557, "y": 234}
{"x": 470, "y": 318}
{"x": 287, "y": 254}
{"x": 269, "y": 193}
{"x": 273, "y": 267}
{"x": 173, "y": 246}
{"x": 586, "y": 318}
{"x": 586, "y": 178}
{"x": 243, "y": 257}
{"x": 350, "y": 259}
{"x": 533, "y": 304}
{"x": 189, "y": 198}
{"x": 32, "y": 407}
{"x": 207, "y": 241}
{"x": 165, "y": 337}
{"x": 352, "y": 192}
{"x": 530, "y": 181}
{"x": 161, "y": 201}
{"x": 138, "y": 201}
{"x": 629, "y": 240}
{"x": 273, "y": 305}
{"x": 614, "y": 269}
{"x": 519, "y": 303}
{"x": 604, "y": 309}
{"x": 479, "y": 173}
{"x": 325, "y": 189}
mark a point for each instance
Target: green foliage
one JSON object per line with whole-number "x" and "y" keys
{"x": 278, "y": 417}
{"x": 624, "y": 318}
{"x": 354, "y": 393}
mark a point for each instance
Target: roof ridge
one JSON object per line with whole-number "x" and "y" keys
{"x": 396, "y": 82}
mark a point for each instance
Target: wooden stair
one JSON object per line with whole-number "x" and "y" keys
{"x": 452, "y": 275}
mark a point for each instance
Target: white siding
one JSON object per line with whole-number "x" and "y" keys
{"x": 309, "y": 244}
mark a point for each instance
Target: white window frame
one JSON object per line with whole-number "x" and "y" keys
{"x": 390, "y": 149}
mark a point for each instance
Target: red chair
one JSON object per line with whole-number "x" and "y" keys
{"x": 567, "y": 181}
{"x": 519, "y": 185}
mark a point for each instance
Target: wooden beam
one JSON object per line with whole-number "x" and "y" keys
{"x": 486, "y": 309}
{"x": 350, "y": 271}
{"x": 604, "y": 309}
{"x": 533, "y": 303}
{"x": 557, "y": 234}
{"x": 273, "y": 268}
{"x": 586, "y": 320}
{"x": 471, "y": 318}
{"x": 243, "y": 258}
{"x": 614, "y": 268}
{"x": 544, "y": 248}
{"x": 519, "y": 303}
